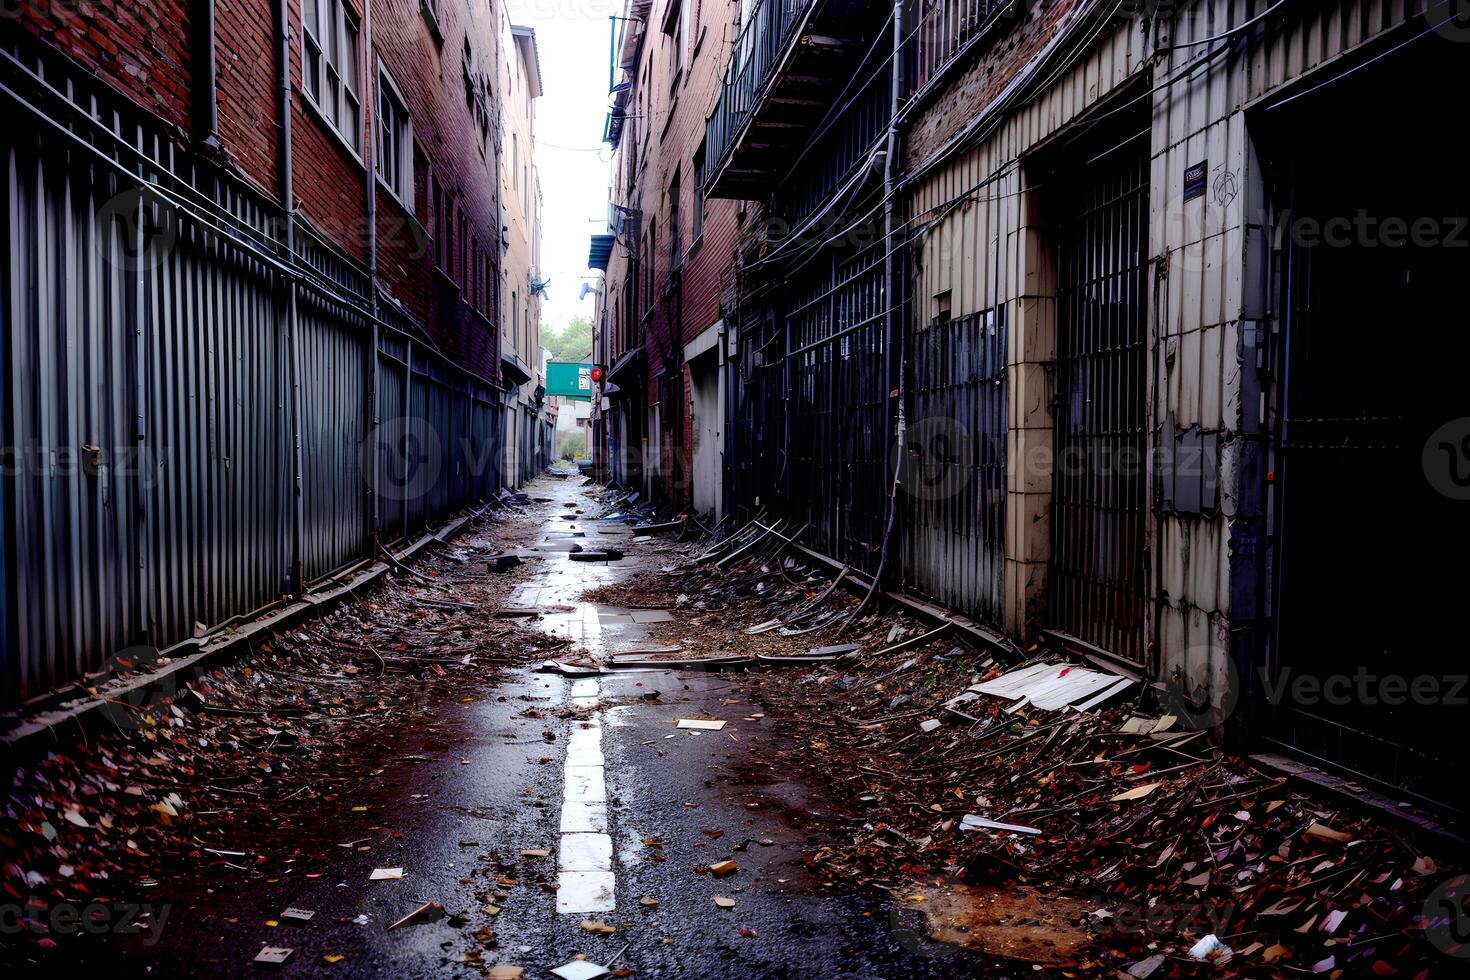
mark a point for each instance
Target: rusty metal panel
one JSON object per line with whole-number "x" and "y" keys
{"x": 837, "y": 456}
{"x": 150, "y": 493}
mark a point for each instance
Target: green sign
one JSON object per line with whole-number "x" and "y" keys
{"x": 569, "y": 379}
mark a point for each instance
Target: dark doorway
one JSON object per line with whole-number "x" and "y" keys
{"x": 1372, "y": 467}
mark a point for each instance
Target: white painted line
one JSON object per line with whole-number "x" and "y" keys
{"x": 586, "y": 852}
{"x": 585, "y": 784}
{"x": 583, "y": 818}
{"x": 585, "y": 882}
{"x": 585, "y": 891}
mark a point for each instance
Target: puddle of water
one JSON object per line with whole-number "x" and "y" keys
{"x": 1012, "y": 922}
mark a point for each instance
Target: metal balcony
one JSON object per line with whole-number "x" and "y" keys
{"x": 788, "y": 65}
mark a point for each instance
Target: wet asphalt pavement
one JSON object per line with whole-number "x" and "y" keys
{"x": 593, "y": 772}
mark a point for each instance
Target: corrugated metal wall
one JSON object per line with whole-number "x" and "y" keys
{"x": 150, "y": 418}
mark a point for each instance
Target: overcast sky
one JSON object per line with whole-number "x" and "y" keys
{"x": 572, "y": 42}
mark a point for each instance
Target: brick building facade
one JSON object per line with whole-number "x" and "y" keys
{"x": 661, "y": 301}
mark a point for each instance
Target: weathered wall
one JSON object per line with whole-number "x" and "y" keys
{"x": 984, "y": 241}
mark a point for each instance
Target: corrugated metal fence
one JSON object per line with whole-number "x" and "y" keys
{"x": 151, "y": 412}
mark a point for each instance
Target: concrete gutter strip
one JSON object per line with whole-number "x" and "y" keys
{"x": 212, "y": 648}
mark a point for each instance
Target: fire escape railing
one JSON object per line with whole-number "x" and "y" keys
{"x": 945, "y": 28}
{"x": 756, "y": 52}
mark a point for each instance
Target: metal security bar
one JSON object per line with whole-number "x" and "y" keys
{"x": 1096, "y": 583}
{"x": 954, "y": 477}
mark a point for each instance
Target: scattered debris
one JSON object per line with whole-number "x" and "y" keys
{"x": 386, "y": 874}
{"x": 580, "y": 970}
{"x": 701, "y": 724}
{"x": 973, "y": 821}
{"x": 274, "y": 955}
{"x": 722, "y": 868}
{"x": 427, "y": 912}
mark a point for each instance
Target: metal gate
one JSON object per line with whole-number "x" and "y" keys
{"x": 1096, "y": 580}
{"x": 954, "y": 477}
{"x": 1372, "y": 457}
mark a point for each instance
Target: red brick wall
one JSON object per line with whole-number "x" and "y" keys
{"x": 674, "y": 128}
{"x": 430, "y": 77}
{"x": 246, "y": 53}
{"x": 968, "y": 92}
{"x": 140, "y": 47}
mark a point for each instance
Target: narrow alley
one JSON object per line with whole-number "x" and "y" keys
{"x": 524, "y": 807}
{"x": 528, "y": 751}
{"x": 834, "y": 489}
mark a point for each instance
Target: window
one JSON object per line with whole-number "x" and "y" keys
{"x": 698, "y": 203}
{"x": 395, "y": 141}
{"x": 464, "y": 253}
{"x": 329, "y": 66}
{"x": 515, "y": 319}
{"x": 430, "y": 9}
{"x": 676, "y": 26}
{"x": 474, "y": 283}
{"x": 475, "y": 98}
{"x": 441, "y": 227}
{"x": 489, "y": 285}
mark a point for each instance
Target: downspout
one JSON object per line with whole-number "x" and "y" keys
{"x": 288, "y": 208}
{"x": 205, "y": 102}
{"x": 370, "y": 190}
{"x": 370, "y": 163}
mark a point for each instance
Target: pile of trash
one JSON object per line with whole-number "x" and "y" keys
{"x": 954, "y": 764}
{"x": 212, "y": 771}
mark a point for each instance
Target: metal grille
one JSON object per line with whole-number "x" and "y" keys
{"x": 954, "y": 476}
{"x": 1096, "y": 581}
{"x": 836, "y": 476}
